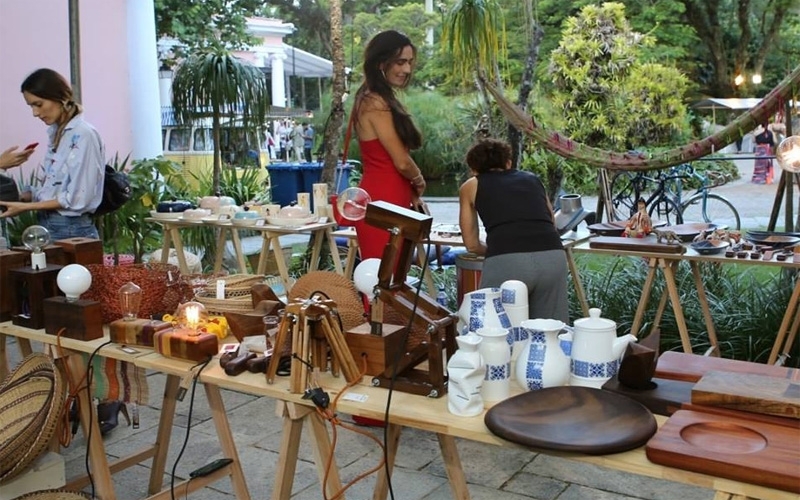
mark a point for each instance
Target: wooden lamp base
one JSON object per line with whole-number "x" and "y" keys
{"x": 81, "y": 319}
{"x": 30, "y": 288}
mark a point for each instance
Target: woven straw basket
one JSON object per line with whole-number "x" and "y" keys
{"x": 31, "y": 401}
{"x": 54, "y": 495}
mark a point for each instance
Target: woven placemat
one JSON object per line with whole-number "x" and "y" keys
{"x": 53, "y": 495}
{"x": 31, "y": 401}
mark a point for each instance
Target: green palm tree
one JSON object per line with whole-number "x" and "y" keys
{"x": 470, "y": 35}
{"x": 216, "y": 84}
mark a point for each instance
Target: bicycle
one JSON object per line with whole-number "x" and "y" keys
{"x": 705, "y": 206}
{"x": 663, "y": 203}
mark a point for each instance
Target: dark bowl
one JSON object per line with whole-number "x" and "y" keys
{"x": 773, "y": 240}
{"x": 710, "y": 247}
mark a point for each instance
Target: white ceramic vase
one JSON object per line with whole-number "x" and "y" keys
{"x": 482, "y": 308}
{"x": 544, "y": 361}
{"x": 497, "y": 358}
{"x": 465, "y": 373}
{"x": 514, "y": 297}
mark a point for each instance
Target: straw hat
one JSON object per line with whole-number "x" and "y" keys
{"x": 339, "y": 289}
{"x": 31, "y": 401}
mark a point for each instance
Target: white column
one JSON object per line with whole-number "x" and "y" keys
{"x": 278, "y": 80}
{"x": 145, "y": 103}
{"x": 165, "y": 88}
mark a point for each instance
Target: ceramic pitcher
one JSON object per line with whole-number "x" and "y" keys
{"x": 465, "y": 372}
{"x": 596, "y": 350}
{"x": 482, "y": 308}
{"x": 543, "y": 361}
{"x": 514, "y": 297}
{"x": 497, "y": 358}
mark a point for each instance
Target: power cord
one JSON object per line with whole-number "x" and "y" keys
{"x": 195, "y": 377}
{"x": 398, "y": 355}
{"x": 89, "y": 375}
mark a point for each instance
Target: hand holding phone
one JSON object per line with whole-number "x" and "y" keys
{"x": 31, "y": 146}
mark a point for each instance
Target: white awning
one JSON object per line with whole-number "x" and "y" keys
{"x": 304, "y": 64}
{"x": 732, "y": 103}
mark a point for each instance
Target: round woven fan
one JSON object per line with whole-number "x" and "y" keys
{"x": 31, "y": 400}
{"x": 338, "y": 288}
{"x": 53, "y": 495}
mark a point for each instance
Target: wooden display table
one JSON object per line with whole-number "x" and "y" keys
{"x": 668, "y": 263}
{"x": 102, "y": 470}
{"x": 319, "y": 231}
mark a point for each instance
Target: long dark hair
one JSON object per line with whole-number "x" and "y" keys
{"x": 47, "y": 84}
{"x": 383, "y": 50}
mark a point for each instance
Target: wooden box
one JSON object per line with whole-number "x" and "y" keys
{"x": 9, "y": 259}
{"x": 381, "y": 350}
{"x": 82, "y": 250}
{"x": 178, "y": 343}
{"x": 136, "y": 332}
{"x": 81, "y": 319}
{"x": 29, "y": 289}
{"x": 53, "y": 253}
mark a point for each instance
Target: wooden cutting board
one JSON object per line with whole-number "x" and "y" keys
{"x": 748, "y": 392}
{"x": 733, "y": 448}
{"x": 664, "y": 397}
{"x": 647, "y": 244}
{"x": 691, "y": 367}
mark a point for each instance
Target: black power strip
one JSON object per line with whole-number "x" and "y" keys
{"x": 211, "y": 467}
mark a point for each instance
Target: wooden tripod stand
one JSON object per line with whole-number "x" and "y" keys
{"x": 316, "y": 332}
{"x": 390, "y": 361}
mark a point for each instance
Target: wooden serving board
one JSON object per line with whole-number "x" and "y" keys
{"x": 729, "y": 447}
{"x": 665, "y": 397}
{"x": 646, "y": 244}
{"x": 691, "y": 367}
{"x": 748, "y": 392}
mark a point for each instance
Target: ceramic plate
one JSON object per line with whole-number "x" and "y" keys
{"x": 285, "y": 222}
{"x": 709, "y": 247}
{"x": 613, "y": 228}
{"x": 166, "y": 215}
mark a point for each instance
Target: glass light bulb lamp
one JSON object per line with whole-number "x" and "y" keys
{"x": 73, "y": 280}
{"x": 35, "y": 238}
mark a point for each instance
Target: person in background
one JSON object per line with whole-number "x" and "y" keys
{"x": 298, "y": 141}
{"x": 765, "y": 142}
{"x": 283, "y": 139}
{"x": 522, "y": 242}
{"x": 73, "y": 169}
{"x": 308, "y": 140}
{"x": 386, "y": 133}
{"x": 13, "y": 158}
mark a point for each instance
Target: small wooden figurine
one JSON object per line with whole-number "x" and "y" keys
{"x": 640, "y": 224}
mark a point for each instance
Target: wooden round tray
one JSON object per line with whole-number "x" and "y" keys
{"x": 578, "y": 419}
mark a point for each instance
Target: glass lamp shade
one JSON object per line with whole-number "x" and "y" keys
{"x": 35, "y": 238}
{"x": 365, "y": 275}
{"x": 130, "y": 298}
{"x": 788, "y": 154}
{"x": 191, "y": 315}
{"x": 73, "y": 280}
{"x": 352, "y": 203}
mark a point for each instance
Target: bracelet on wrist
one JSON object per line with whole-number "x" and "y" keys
{"x": 418, "y": 180}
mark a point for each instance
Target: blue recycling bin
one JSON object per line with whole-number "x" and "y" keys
{"x": 285, "y": 182}
{"x": 311, "y": 173}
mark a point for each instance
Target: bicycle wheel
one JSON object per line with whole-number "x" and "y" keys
{"x": 623, "y": 195}
{"x": 712, "y": 208}
{"x": 665, "y": 210}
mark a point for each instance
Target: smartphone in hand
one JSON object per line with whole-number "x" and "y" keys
{"x": 31, "y": 146}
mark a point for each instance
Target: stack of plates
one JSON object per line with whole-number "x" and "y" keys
{"x": 290, "y": 222}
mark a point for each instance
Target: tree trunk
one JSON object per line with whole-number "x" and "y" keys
{"x": 215, "y": 125}
{"x": 514, "y": 135}
{"x": 333, "y": 127}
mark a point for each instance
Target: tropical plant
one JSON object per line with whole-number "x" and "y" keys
{"x": 218, "y": 85}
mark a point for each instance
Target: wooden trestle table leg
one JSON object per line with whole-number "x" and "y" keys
{"x": 701, "y": 295}
{"x": 576, "y": 280}
{"x": 168, "y": 405}
{"x": 178, "y": 244}
{"x": 237, "y": 249}
{"x": 316, "y": 250}
{"x": 293, "y": 418}
{"x": 787, "y": 318}
{"x": 668, "y": 268}
{"x": 337, "y": 261}
{"x": 452, "y": 464}
{"x": 283, "y": 270}
{"x": 226, "y": 442}
{"x": 101, "y": 473}
{"x": 381, "y": 483}
{"x": 24, "y": 349}
{"x": 645, "y": 298}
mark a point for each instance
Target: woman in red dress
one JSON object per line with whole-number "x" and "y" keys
{"x": 386, "y": 133}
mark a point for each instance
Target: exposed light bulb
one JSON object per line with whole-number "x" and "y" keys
{"x": 74, "y": 280}
{"x": 35, "y": 238}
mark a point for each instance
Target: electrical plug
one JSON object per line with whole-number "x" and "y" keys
{"x": 317, "y": 396}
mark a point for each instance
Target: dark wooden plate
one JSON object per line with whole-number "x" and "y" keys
{"x": 578, "y": 419}
{"x": 688, "y": 231}
{"x": 613, "y": 228}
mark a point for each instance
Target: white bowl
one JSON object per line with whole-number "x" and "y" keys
{"x": 246, "y": 222}
{"x": 291, "y": 221}
{"x": 166, "y": 215}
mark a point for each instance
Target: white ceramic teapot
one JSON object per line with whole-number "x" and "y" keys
{"x": 596, "y": 350}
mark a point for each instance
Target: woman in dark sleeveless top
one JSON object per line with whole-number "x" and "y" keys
{"x": 522, "y": 242}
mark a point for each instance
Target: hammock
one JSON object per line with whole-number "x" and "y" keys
{"x": 567, "y": 148}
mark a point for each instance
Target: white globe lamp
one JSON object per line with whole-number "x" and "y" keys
{"x": 788, "y": 154}
{"x": 365, "y": 276}
{"x": 352, "y": 203}
{"x": 73, "y": 280}
{"x": 35, "y": 238}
